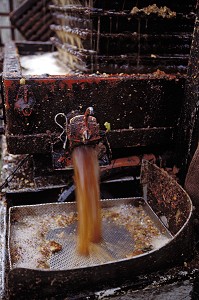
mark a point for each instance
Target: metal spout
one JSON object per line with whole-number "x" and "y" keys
{"x": 86, "y": 135}
{"x": 83, "y": 129}
{"x": 79, "y": 130}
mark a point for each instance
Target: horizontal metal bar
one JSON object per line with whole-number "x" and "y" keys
{"x": 122, "y": 179}
{"x": 6, "y": 27}
{"x": 4, "y": 14}
{"x": 86, "y": 10}
{"x": 37, "y": 143}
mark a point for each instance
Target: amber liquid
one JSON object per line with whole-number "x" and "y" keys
{"x": 86, "y": 176}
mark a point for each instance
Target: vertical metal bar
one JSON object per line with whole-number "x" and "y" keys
{"x": 2, "y": 129}
{"x": 12, "y": 28}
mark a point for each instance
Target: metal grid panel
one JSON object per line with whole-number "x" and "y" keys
{"x": 33, "y": 20}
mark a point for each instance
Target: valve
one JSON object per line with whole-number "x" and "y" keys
{"x": 80, "y": 129}
{"x": 83, "y": 129}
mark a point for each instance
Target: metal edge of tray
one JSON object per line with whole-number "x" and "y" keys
{"x": 3, "y": 252}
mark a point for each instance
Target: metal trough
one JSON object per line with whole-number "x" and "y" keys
{"x": 168, "y": 210}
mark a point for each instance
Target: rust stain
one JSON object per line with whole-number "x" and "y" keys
{"x": 8, "y": 85}
{"x": 123, "y": 162}
{"x": 70, "y": 81}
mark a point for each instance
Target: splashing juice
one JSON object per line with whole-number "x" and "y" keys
{"x": 86, "y": 176}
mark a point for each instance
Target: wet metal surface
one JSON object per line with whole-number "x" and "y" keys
{"x": 130, "y": 228}
{"x": 180, "y": 290}
{"x": 128, "y": 103}
{"x": 129, "y": 269}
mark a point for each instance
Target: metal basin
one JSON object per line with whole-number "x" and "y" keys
{"x": 168, "y": 210}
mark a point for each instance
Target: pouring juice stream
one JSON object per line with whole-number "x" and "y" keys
{"x": 86, "y": 174}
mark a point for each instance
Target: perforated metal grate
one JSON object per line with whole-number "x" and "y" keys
{"x": 129, "y": 228}
{"x": 117, "y": 243}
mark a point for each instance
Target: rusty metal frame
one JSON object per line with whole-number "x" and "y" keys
{"x": 75, "y": 90}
